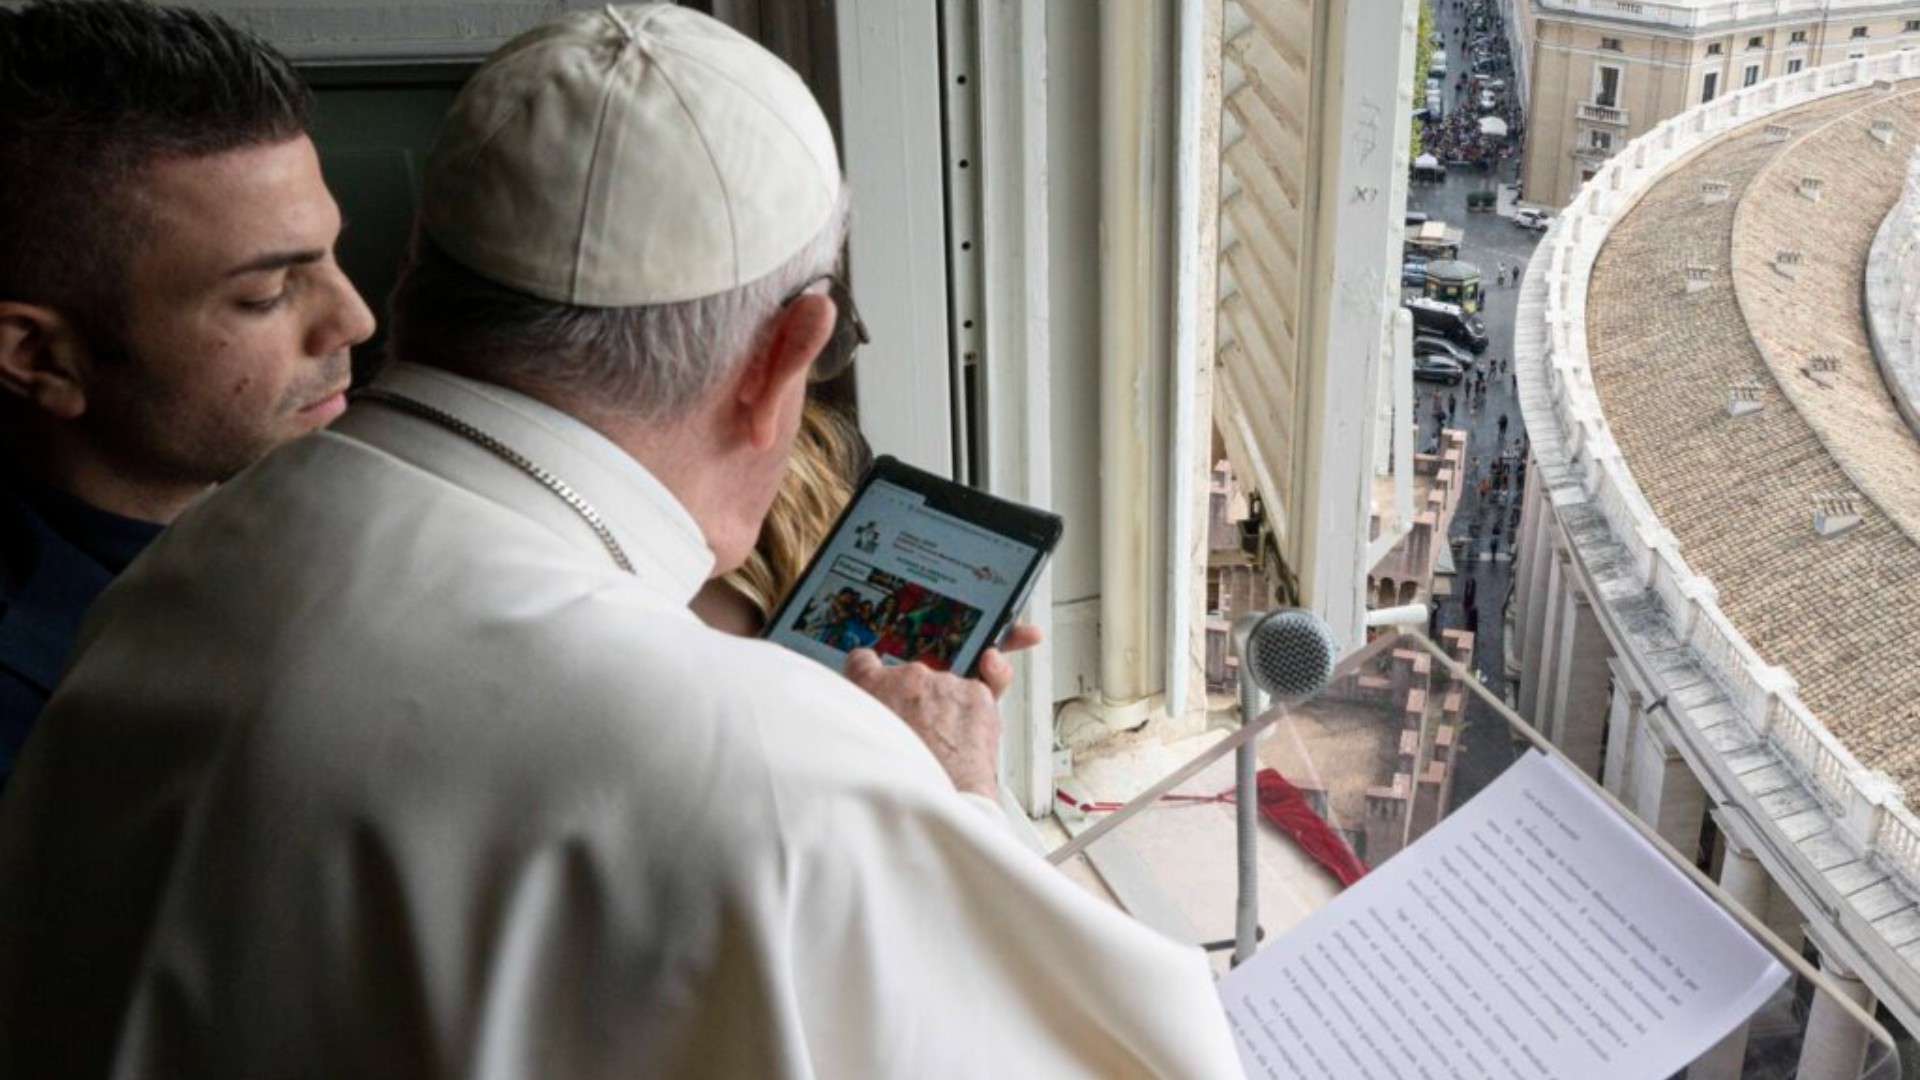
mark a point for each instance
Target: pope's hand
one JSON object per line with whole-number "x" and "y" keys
{"x": 956, "y": 717}
{"x": 993, "y": 668}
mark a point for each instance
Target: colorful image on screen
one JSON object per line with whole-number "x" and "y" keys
{"x": 860, "y": 607}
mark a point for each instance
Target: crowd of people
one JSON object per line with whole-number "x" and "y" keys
{"x": 1481, "y": 60}
{"x": 1458, "y": 140}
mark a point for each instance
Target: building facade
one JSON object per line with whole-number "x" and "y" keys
{"x": 1600, "y": 73}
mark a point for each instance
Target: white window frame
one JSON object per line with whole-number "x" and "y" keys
{"x": 893, "y": 130}
{"x": 1794, "y": 64}
{"x": 1749, "y": 75}
{"x": 891, "y": 136}
{"x": 1600, "y": 140}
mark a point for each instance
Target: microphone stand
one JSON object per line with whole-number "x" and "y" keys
{"x": 1246, "y": 805}
{"x": 1295, "y": 653}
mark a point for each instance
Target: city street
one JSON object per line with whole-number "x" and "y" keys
{"x": 1483, "y": 525}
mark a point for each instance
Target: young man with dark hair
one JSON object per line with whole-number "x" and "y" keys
{"x": 170, "y": 307}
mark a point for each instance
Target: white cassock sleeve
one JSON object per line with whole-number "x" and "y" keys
{"x": 928, "y": 941}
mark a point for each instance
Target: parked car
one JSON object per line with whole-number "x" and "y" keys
{"x": 1430, "y": 345}
{"x": 1537, "y": 220}
{"x": 1437, "y": 63}
{"x": 1413, "y": 272}
{"x": 1448, "y": 321}
{"x": 1438, "y": 369}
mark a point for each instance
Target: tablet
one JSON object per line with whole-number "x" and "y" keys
{"x": 918, "y": 569}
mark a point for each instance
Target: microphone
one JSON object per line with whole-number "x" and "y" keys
{"x": 1289, "y": 655}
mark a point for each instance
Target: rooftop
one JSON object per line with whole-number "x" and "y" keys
{"x": 1708, "y": 16}
{"x": 1740, "y": 492}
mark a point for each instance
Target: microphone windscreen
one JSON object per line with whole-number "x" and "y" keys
{"x": 1290, "y": 654}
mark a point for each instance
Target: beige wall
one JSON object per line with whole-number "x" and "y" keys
{"x": 1663, "y": 72}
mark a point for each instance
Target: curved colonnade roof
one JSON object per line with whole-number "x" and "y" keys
{"x": 1739, "y": 493}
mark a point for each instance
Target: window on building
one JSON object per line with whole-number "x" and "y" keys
{"x": 1611, "y": 44}
{"x": 1857, "y": 54}
{"x": 1600, "y": 140}
{"x": 1710, "y": 88}
{"x": 1756, "y": 42}
{"x": 1798, "y": 37}
{"x": 1912, "y": 27}
{"x": 1713, "y": 49}
{"x": 1751, "y": 75}
{"x": 1859, "y": 31}
{"x": 1793, "y": 66}
{"x": 1606, "y": 90}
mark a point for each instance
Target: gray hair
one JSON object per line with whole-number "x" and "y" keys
{"x": 649, "y": 363}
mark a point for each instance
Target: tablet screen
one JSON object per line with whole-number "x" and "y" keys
{"x": 906, "y": 580}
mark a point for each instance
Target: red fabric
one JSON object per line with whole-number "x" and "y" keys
{"x": 1282, "y": 804}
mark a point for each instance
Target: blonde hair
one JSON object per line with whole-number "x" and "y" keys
{"x": 828, "y": 456}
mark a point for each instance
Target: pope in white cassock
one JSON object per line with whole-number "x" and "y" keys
{"x": 401, "y": 755}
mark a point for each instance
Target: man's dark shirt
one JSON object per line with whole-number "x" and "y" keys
{"x": 56, "y": 555}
